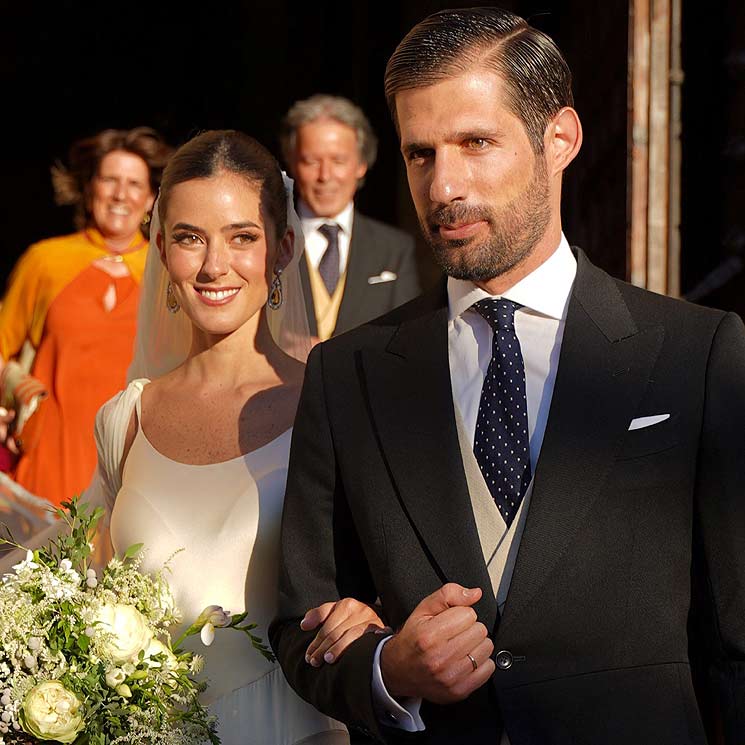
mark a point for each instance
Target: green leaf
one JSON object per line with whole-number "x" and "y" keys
{"x": 133, "y": 550}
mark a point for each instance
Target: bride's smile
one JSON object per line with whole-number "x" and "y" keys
{"x": 214, "y": 296}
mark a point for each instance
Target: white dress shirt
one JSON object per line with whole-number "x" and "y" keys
{"x": 316, "y": 243}
{"x": 539, "y": 324}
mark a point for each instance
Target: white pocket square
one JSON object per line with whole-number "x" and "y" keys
{"x": 385, "y": 276}
{"x": 647, "y": 421}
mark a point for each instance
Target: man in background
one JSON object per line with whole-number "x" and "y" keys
{"x": 356, "y": 268}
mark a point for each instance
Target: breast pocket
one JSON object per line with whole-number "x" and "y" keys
{"x": 649, "y": 440}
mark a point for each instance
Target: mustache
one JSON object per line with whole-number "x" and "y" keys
{"x": 457, "y": 214}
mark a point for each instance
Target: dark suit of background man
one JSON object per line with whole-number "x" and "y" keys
{"x": 356, "y": 268}
{"x": 537, "y": 468}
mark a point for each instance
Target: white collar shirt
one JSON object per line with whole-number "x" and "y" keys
{"x": 316, "y": 243}
{"x": 539, "y": 324}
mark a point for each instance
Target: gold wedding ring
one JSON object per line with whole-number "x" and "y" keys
{"x": 473, "y": 661}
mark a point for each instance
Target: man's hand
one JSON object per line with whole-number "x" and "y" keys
{"x": 343, "y": 622}
{"x": 442, "y": 653}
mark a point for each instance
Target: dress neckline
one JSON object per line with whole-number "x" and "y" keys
{"x": 243, "y": 457}
{"x": 251, "y": 454}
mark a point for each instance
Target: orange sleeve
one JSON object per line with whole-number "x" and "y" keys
{"x": 22, "y": 312}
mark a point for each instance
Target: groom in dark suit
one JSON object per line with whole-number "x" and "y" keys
{"x": 536, "y": 469}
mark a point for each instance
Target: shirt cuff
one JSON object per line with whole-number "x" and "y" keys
{"x": 403, "y": 714}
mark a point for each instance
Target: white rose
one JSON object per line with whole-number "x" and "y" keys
{"x": 115, "y": 677}
{"x": 128, "y": 629}
{"x": 51, "y": 712}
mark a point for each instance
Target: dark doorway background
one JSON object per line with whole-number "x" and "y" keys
{"x": 69, "y": 69}
{"x": 713, "y": 165}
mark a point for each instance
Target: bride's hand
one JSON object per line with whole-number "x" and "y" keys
{"x": 343, "y": 622}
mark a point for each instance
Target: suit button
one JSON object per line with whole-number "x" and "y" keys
{"x": 504, "y": 660}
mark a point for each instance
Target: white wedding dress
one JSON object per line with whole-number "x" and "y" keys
{"x": 218, "y": 525}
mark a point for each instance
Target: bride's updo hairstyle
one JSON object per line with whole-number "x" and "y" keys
{"x": 228, "y": 151}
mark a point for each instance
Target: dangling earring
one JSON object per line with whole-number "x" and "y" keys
{"x": 146, "y": 219}
{"x": 171, "y": 302}
{"x": 275, "y": 291}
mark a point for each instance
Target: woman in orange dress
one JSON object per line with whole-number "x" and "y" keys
{"x": 74, "y": 299}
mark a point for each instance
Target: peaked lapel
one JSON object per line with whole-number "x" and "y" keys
{"x": 604, "y": 368}
{"x": 411, "y": 404}
{"x": 361, "y": 264}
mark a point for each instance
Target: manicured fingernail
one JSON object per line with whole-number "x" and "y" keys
{"x": 302, "y": 624}
{"x": 315, "y": 662}
{"x": 307, "y": 659}
{"x": 329, "y": 657}
{"x": 467, "y": 592}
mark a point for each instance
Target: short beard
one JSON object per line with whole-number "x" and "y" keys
{"x": 514, "y": 231}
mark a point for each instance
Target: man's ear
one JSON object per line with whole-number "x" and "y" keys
{"x": 563, "y": 139}
{"x": 361, "y": 170}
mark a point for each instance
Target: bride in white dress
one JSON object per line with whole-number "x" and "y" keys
{"x": 193, "y": 454}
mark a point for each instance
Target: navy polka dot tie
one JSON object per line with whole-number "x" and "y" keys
{"x": 501, "y": 444}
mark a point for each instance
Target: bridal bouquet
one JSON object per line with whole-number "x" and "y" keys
{"x": 87, "y": 658}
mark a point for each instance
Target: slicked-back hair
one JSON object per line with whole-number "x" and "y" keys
{"x": 228, "y": 151}
{"x": 72, "y": 182}
{"x": 451, "y": 42}
{"x": 323, "y": 106}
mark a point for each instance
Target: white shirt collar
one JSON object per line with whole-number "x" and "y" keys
{"x": 545, "y": 290}
{"x": 310, "y": 221}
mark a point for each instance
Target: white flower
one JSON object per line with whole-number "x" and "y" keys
{"x": 34, "y": 643}
{"x": 165, "y": 600}
{"x": 51, "y": 712}
{"x": 212, "y": 616}
{"x": 115, "y": 677}
{"x": 128, "y": 632}
{"x": 215, "y": 615}
{"x": 65, "y": 565}
{"x": 157, "y": 647}
{"x": 91, "y": 582}
{"x": 27, "y": 563}
{"x": 207, "y": 634}
{"x": 124, "y": 691}
{"x": 197, "y": 664}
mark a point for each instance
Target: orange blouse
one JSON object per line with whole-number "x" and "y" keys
{"x": 55, "y": 299}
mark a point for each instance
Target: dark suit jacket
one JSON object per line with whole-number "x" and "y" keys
{"x": 629, "y": 586}
{"x": 375, "y": 247}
